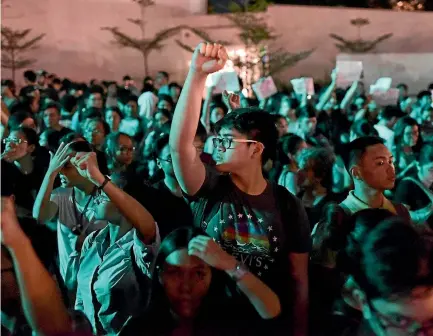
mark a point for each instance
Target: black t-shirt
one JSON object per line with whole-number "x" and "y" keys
{"x": 24, "y": 187}
{"x": 170, "y": 212}
{"x": 251, "y": 228}
{"x": 411, "y": 194}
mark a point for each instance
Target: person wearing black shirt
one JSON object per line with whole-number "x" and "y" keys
{"x": 417, "y": 191}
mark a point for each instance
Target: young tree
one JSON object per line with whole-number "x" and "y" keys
{"x": 358, "y": 45}
{"x": 15, "y": 43}
{"x": 142, "y": 44}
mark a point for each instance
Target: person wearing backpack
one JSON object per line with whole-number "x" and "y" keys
{"x": 262, "y": 225}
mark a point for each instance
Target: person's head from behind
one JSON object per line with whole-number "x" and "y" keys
{"x": 113, "y": 116}
{"x": 424, "y": 99}
{"x": 69, "y": 104}
{"x": 425, "y": 163}
{"x": 175, "y": 90}
{"x": 22, "y": 118}
{"x": 406, "y": 132}
{"x": 52, "y": 115}
{"x": 131, "y": 107}
{"x": 161, "y": 117}
{"x": 403, "y": 90}
{"x": 161, "y": 152}
{"x": 315, "y": 169}
{"x": 119, "y": 149}
{"x": 361, "y": 128}
{"x": 246, "y": 136}
{"x": 217, "y": 112}
{"x": 95, "y": 97}
{"x": 307, "y": 120}
{"x": 50, "y": 139}
{"x": 394, "y": 279}
{"x": 165, "y": 102}
{"x": 29, "y": 77}
{"x": 390, "y": 115}
{"x": 371, "y": 164}
{"x": 281, "y": 124}
{"x": 292, "y": 146}
{"x": 21, "y": 142}
{"x": 161, "y": 79}
{"x": 181, "y": 282}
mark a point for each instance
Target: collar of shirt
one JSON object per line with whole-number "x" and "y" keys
{"x": 353, "y": 204}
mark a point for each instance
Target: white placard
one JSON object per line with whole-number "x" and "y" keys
{"x": 384, "y": 98}
{"x": 348, "y": 72}
{"x": 264, "y": 88}
{"x": 382, "y": 84}
{"x": 223, "y": 80}
{"x": 304, "y": 85}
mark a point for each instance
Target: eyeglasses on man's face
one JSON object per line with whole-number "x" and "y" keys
{"x": 124, "y": 150}
{"x": 15, "y": 141}
{"x": 228, "y": 142}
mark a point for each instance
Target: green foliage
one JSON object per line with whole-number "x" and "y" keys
{"x": 15, "y": 43}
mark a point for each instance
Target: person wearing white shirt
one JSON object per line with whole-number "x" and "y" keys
{"x": 114, "y": 259}
{"x": 384, "y": 127}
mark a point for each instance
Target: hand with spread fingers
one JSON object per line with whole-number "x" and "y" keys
{"x": 87, "y": 166}
{"x": 59, "y": 159}
{"x": 231, "y": 100}
{"x": 211, "y": 253}
{"x": 209, "y": 58}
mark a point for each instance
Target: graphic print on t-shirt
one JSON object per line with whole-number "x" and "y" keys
{"x": 248, "y": 235}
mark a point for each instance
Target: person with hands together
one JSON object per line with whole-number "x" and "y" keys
{"x": 264, "y": 300}
{"x": 190, "y": 292}
{"x": 116, "y": 260}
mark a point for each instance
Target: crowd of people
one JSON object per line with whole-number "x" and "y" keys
{"x": 160, "y": 212}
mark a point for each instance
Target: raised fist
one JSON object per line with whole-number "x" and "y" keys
{"x": 209, "y": 58}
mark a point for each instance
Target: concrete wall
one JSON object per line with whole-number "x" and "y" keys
{"x": 77, "y": 48}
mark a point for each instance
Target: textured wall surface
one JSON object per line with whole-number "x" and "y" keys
{"x": 77, "y": 48}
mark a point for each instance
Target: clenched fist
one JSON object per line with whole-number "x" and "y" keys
{"x": 209, "y": 58}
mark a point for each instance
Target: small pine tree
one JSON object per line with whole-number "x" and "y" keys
{"x": 358, "y": 45}
{"x": 15, "y": 43}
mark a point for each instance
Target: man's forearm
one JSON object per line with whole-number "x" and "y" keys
{"x": 43, "y": 197}
{"x": 300, "y": 312}
{"x": 187, "y": 112}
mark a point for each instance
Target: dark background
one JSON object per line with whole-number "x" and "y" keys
{"x": 220, "y": 6}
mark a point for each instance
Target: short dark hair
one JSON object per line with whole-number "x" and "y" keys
{"x": 166, "y": 113}
{"x": 96, "y": 89}
{"x": 201, "y": 132}
{"x": 91, "y": 113}
{"x": 391, "y": 111}
{"x": 164, "y": 73}
{"x": 167, "y": 98}
{"x": 126, "y": 77}
{"x": 257, "y": 125}
{"x": 52, "y": 105}
{"x": 53, "y": 139}
{"x": 160, "y": 144}
{"x": 174, "y": 85}
{"x": 423, "y": 94}
{"x": 403, "y": 85}
{"x": 358, "y": 147}
{"x": 17, "y": 118}
{"x": 363, "y": 128}
{"x": 30, "y": 75}
{"x": 68, "y": 102}
{"x": 321, "y": 161}
{"x": 30, "y": 135}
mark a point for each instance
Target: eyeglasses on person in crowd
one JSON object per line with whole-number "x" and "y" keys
{"x": 16, "y": 141}
{"x": 127, "y": 149}
{"x": 227, "y": 142}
